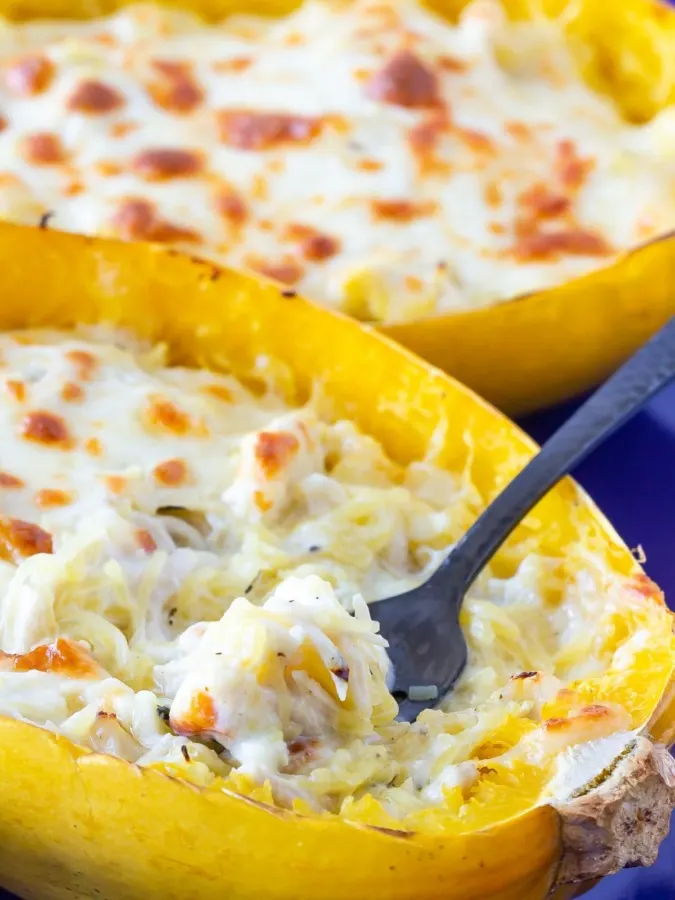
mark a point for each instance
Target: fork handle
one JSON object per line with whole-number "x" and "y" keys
{"x": 645, "y": 373}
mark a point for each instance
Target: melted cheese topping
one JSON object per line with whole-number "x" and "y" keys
{"x": 369, "y": 154}
{"x": 183, "y": 567}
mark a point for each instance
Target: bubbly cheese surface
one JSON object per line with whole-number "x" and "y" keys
{"x": 186, "y": 570}
{"x": 369, "y": 154}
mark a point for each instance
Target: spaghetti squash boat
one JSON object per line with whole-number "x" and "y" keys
{"x": 405, "y": 168}
{"x": 203, "y": 499}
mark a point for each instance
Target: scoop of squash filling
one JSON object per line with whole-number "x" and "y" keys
{"x": 188, "y": 580}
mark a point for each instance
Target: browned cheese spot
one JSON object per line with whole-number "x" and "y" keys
{"x": 29, "y": 75}
{"x": 314, "y": 246}
{"x": 137, "y": 219}
{"x": 452, "y": 64}
{"x": 93, "y": 446}
{"x": 171, "y": 473}
{"x": 235, "y": 64}
{"x": 545, "y": 246}
{"x": 163, "y": 415}
{"x": 71, "y": 392}
{"x": 645, "y": 587}
{"x": 274, "y": 450}
{"x": 19, "y": 540}
{"x": 200, "y": 717}
{"x": 42, "y": 149}
{"x": 401, "y": 210}
{"x": 405, "y": 80}
{"x": 369, "y": 165}
{"x": 164, "y": 164}
{"x": 50, "y": 497}
{"x": 424, "y": 139}
{"x": 145, "y": 540}
{"x": 10, "y": 481}
{"x": 61, "y": 657}
{"x": 285, "y": 271}
{"x": 16, "y": 388}
{"x": 122, "y": 129}
{"x": 542, "y": 202}
{"x": 116, "y": 484}
{"x": 570, "y": 168}
{"x": 249, "y": 130}
{"x": 95, "y": 98}
{"x": 231, "y": 206}
{"x": 85, "y": 363}
{"x": 176, "y": 89}
{"x": 219, "y": 391}
{"x": 44, "y": 427}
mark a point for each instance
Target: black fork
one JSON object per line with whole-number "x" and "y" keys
{"x": 426, "y": 644}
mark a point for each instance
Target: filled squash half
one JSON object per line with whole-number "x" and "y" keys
{"x": 417, "y": 171}
{"x": 202, "y": 477}
{"x": 542, "y": 347}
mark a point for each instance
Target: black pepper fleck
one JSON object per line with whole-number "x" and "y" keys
{"x": 184, "y": 751}
{"x": 253, "y": 583}
{"x": 44, "y": 219}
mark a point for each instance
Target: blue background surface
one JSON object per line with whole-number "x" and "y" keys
{"x": 632, "y": 479}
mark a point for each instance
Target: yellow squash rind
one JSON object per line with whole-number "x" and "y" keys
{"x": 543, "y": 348}
{"x": 96, "y": 822}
